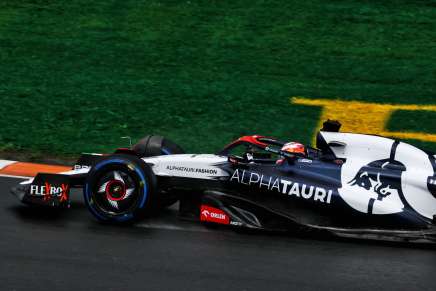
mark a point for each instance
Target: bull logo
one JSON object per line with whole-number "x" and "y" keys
{"x": 376, "y": 188}
{"x": 389, "y": 179}
{"x": 382, "y": 177}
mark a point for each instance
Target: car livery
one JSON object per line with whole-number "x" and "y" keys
{"x": 350, "y": 185}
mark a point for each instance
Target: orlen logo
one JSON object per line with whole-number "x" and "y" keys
{"x": 49, "y": 191}
{"x": 212, "y": 214}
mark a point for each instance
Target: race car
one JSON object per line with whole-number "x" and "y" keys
{"x": 350, "y": 185}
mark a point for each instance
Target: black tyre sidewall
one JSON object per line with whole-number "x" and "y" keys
{"x": 141, "y": 173}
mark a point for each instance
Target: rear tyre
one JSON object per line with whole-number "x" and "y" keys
{"x": 155, "y": 145}
{"x": 120, "y": 189}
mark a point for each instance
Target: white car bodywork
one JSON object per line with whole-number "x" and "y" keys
{"x": 360, "y": 150}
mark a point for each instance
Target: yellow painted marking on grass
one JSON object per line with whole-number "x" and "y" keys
{"x": 362, "y": 117}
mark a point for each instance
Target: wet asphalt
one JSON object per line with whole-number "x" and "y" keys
{"x": 69, "y": 250}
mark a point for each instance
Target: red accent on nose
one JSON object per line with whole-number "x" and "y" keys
{"x": 110, "y": 193}
{"x": 47, "y": 194}
{"x": 65, "y": 189}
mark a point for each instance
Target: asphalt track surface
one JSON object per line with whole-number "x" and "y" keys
{"x": 42, "y": 250}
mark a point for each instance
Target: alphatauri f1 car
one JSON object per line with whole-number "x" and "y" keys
{"x": 350, "y": 185}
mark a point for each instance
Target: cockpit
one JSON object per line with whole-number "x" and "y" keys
{"x": 266, "y": 150}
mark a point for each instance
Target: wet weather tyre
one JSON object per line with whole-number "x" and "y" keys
{"x": 120, "y": 189}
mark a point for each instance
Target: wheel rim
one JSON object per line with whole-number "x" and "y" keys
{"x": 116, "y": 192}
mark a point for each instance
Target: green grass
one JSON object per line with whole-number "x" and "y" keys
{"x": 77, "y": 75}
{"x": 413, "y": 121}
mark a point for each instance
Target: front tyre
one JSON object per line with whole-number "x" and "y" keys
{"x": 119, "y": 189}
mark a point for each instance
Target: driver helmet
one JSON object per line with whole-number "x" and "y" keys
{"x": 294, "y": 148}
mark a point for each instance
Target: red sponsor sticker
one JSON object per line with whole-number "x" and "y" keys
{"x": 212, "y": 214}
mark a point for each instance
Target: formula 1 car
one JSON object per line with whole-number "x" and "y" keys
{"x": 350, "y": 185}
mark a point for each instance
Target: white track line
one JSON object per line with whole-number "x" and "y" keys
{"x": 13, "y": 176}
{"x": 4, "y": 163}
